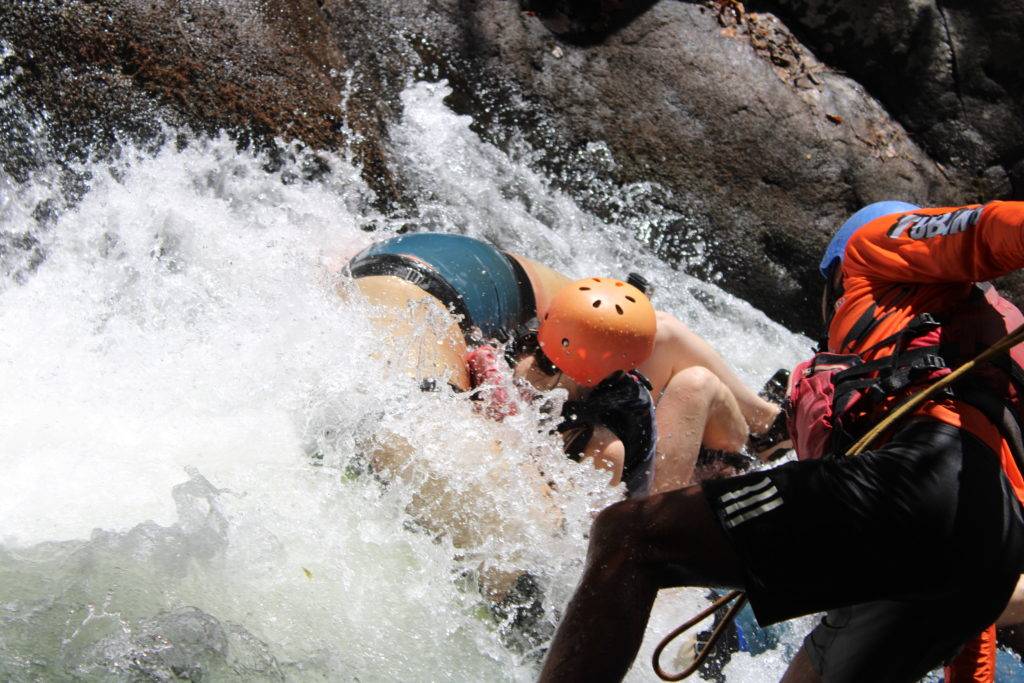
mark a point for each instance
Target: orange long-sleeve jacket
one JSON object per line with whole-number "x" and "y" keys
{"x": 929, "y": 260}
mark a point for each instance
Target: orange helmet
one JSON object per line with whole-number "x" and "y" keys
{"x": 596, "y": 326}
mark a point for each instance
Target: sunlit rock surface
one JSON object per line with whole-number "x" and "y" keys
{"x": 764, "y": 148}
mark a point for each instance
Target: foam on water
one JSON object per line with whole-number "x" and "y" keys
{"x": 186, "y": 400}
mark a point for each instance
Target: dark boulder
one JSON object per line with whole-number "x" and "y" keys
{"x": 762, "y": 147}
{"x": 758, "y": 148}
{"x": 97, "y": 72}
{"x": 948, "y": 70}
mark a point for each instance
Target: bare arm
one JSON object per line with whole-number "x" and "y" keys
{"x": 607, "y": 452}
{"x": 956, "y": 244}
{"x": 677, "y": 348}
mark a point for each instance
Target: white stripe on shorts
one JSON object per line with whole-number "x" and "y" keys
{"x": 769, "y": 492}
{"x": 739, "y": 493}
{"x": 749, "y": 502}
{"x": 756, "y": 512}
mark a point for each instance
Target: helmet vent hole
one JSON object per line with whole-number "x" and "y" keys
{"x": 629, "y": 298}
{"x": 596, "y": 279}
{"x": 584, "y": 289}
{"x": 619, "y": 309}
{"x": 565, "y": 343}
{"x": 619, "y": 284}
{"x": 597, "y": 303}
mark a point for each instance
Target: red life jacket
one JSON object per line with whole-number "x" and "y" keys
{"x": 836, "y": 398}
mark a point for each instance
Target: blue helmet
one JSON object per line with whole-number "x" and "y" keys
{"x": 837, "y": 246}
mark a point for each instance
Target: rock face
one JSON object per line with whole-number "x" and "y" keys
{"x": 765, "y": 149}
{"x": 949, "y": 71}
{"x": 761, "y": 148}
{"x": 183, "y": 644}
{"x": 116, "y": 68}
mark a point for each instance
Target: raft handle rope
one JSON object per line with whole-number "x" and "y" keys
{"x": 1003, "y": 345}
{"x": 703, "y": 652}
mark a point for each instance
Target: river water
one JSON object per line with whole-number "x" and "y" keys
{"x": 185, "y": 399}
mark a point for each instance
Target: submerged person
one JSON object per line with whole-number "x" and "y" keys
{"x": 644, "y": 392}
{"x": 853, "y": 536}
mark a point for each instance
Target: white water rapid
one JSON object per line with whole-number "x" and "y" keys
{"x": 184, "y": 398}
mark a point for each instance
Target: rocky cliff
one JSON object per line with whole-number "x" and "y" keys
{"x": 764, "y": 125}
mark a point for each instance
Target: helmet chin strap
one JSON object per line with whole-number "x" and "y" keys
{"x": 832, "y": 293}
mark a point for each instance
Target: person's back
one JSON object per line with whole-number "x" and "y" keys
{"x": 887, "y": 283}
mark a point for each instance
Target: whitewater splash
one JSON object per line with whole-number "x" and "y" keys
{"x": 187, "y": 401}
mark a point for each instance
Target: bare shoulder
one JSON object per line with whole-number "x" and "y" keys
{"x": 670, "y": 328}
{"x": 546, "y": 281}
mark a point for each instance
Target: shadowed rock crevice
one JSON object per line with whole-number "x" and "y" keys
{"x": 954, "y": 69}
{"x": 948, "y": 70}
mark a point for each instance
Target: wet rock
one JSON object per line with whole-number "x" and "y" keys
{"x": 183, "y": 644}
{"x": 71, "y": 609}
{"x": 92, "y": 73}
{"x": 762, "y": 147}
{"x": 948, "y": 71}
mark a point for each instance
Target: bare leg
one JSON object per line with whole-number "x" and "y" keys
{"x": 636, "y": 548}
{"x": 696, "y": 408}
{"x": 677, "y": 348}
{"x": 801, "y": 670}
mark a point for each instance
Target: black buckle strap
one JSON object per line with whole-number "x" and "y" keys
{"x": 894, "y": 374}
{"x": 924, "y": 358}
{"x": 906, "y": 374}
{"x": 920, "y": 324}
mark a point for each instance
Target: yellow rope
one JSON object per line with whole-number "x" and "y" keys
{"x": 703, "y": 652}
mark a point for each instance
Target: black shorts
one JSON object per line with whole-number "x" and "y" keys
{"x": 928, "y": 523}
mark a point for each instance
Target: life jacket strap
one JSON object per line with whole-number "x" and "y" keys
{"x": 867, "y": 323}
{"x": 863, "y": 327}
{"x": 895, "y": 372}
{"x": 528, "y": 307}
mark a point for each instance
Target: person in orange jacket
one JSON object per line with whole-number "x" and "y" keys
{"x": 855, "y": 537}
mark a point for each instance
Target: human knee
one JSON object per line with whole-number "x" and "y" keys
{"x": 693, "y": 382}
